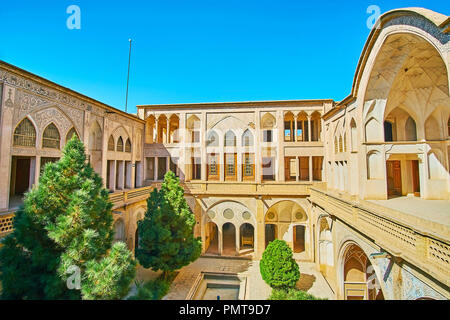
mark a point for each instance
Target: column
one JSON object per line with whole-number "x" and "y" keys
{"x": 133, "y": 172}
{"x": 105, "y": 137}
{"x": 37, "y": 170}
{"x": 279, "y": 174}
{"x": 260, "y": 229}
{"x": 295, "y": 127}
{"x": 258, "y": 159}
{"x": 112, "y": 175}
{"x": 203, "y": 146}
{"x": 238, "y": 233}
{"x": 297, "y": 164}
{"x": 182, "y": 157}
{"x": 309, "y": 128}
{"x": 157, "y": 128}
{"x": 6, "y": 132}
{"x": 310, "y": 169}
{"x": 167, "y": 130}
{"x": 220, "y": 238}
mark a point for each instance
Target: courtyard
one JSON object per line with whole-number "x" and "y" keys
{"x": 311, "y": 280}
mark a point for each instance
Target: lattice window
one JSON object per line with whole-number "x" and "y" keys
{"x": 340, "y": 143}
{"x": 111, "y": 144}
{"x": 249, "y": 166}
{"x": 71, "y": 133}
{"x": 230, "y": 164}
{"x": 128, "y": 146}
{"x": 51, "y": 137}
{"x": 213, "y": 166}
{"x": 25, "y": 134}
{"x": 120, "y": 144}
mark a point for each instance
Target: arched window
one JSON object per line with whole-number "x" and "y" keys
{"x": 353, "y": 135}
{"x": 230, "y": 139}
{"x": 120, "y": 144}
{"x": 51, "y": 138}
{"x": 247, "y": 139}
{"x": 95, "y": 137}
{"x": 213, "y": 139}
{"x": 410, "y": 130}
{"x": 345, "y": 142}
{"x": 25, "y": 134}
{"x": 71, "y": 133}
{"x": 128, "y": 146}
{"x": 111, "y": 144}
{"x": 335, "y": 145}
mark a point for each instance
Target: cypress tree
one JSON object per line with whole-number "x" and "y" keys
{"x": 65, "y": 223}
{"x": 166, "y": 234}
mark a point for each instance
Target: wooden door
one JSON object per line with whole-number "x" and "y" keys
{"x": 394, "y": 178}
{"x": 415, "y": 178}
{"x": 22, "y": 176}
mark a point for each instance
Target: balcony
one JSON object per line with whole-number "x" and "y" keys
{"x": 422, "y": 242}
{"x": 118, "y": 199}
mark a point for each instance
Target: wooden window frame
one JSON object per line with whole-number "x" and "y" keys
{"x": 217, "y": 175}
{"x": 230, "y": 177}
{"x": 244, "y": 164}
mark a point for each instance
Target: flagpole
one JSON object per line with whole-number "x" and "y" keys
{"x": 128, "y": 76}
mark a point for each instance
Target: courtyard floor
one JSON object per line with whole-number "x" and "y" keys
{"x": 311, "y": 280}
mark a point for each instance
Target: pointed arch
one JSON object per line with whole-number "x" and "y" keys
{"x": 25, "y": 134}
{"x": 128, "y": 146}
{"x": 119, "y": 145}
{"x": 213, "y": 139}
{"x": 51, "y": 137}
{"x": 353, "y": 135}
{"x": 111, "y": 143}
{"x": 71, "y": 133}
{"x": 230, "y": 139}
{"x": 268, "y": 121}
{"x": 95, "y": 137}
{"x": 247, "y": 138}
{"x": 410, "y": 129}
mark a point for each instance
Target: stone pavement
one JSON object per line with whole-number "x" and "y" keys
{"x": 311, "y": 280}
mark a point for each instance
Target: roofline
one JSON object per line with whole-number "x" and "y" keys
{"x": 235, "y": 103}
{"x": 54, "y": 85}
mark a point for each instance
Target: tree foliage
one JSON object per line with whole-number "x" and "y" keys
{"x": 166, "y": 234}
{"x": 65, "y": 221}
{"x": 278, "y": 267}
{"x": 291, "y": 294}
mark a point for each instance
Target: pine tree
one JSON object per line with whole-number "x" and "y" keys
{"x": 166, "y": 234}
{"x": 65, "y": 221}
{"x": 278, "y": 267}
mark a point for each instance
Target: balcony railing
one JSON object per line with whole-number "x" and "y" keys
{"x": 118, "y": 199}
{"x": 422, "y": 243}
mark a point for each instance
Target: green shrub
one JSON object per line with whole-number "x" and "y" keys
{"x": 278, "y": 268}
{"x": 291, "y": 294}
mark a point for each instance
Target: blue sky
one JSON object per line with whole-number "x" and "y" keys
{"x": 194, "y": 51}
